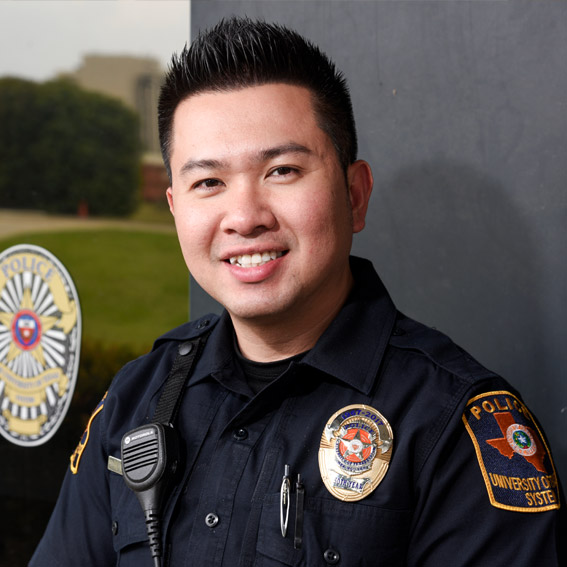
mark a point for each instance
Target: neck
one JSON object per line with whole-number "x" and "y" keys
{"x": 284, "y": 335}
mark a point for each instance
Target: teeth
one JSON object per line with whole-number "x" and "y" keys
{"x": 254, "y": 260}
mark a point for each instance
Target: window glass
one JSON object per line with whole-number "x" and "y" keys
{"x": 81, "y": 176}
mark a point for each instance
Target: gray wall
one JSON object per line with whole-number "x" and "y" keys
{"x": 462, "y": 113}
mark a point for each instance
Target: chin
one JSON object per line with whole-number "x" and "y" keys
{"x": 253, "y": 313}
{"x": 255, "y": 310}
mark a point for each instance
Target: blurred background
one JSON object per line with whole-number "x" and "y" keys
{"x": 81, "y": 175}
{"x": 461, "y": 112}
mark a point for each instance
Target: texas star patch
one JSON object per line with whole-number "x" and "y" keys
{"x": 513, "y": 456}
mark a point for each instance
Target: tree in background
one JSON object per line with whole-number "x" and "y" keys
{"x": 64, "y": 149}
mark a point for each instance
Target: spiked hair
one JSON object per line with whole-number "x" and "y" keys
{"x": 239, "y": 53}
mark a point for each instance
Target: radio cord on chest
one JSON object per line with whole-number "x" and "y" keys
{"x": 150, "y": 453}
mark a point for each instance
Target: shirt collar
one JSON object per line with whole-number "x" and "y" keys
{"x": 353, "y": 346}
{"x": 351, "y": 349}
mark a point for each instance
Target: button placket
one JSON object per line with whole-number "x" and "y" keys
{"x": 231, "y": 454}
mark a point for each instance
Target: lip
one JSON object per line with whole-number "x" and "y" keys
{"x": 255, "y": 274}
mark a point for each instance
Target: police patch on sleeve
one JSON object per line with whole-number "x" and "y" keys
{"x": 78, "y": 453}
{"x": 355, "y": 452}
{"x": 513, "y": 456}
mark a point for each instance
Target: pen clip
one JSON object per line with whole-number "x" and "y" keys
{"x": 285, "y": 501}
{"x": 300, "y": 496}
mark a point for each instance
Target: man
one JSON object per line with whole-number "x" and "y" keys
{"x": 318, "y": 426}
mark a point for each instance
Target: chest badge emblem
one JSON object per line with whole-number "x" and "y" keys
{"x": 355, "y": 451}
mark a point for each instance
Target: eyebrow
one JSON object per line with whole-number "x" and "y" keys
{"x": 191, "y": 165}
{"x": 262, "y": 156}
{"x": 291, "y": 148}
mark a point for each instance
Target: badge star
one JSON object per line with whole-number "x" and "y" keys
{"x": 355, "y": 446}
{"x": 47, "y": 323}
{"x": 523, "y": 439}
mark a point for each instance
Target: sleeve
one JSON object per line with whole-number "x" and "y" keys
{"x": 80, "y": 528}
{"x": 491, "y": 477}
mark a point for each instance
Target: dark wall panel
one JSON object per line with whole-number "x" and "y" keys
{"x": 462, "y": 113}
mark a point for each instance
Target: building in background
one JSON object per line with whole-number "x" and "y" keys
{"x": 136, "y": 82}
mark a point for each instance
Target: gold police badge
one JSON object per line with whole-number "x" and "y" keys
{"x": 40, "y": 337}
{"x": 355, "y": 452}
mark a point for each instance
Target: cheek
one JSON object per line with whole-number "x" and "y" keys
{"x": 194, "y": 233}
{"x": 326, "y": 218}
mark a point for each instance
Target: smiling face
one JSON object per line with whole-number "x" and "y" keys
{"x": 263, "y": 212}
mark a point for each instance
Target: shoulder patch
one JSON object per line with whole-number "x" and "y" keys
{"x": 513, "y": 456}
{"x": 78, "y": 453}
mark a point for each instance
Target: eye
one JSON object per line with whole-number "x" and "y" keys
{"x": 207, "y": 184}
{"x": 283, "y": 171}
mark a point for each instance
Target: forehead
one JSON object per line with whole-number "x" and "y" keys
{"x": 255, "y": 115}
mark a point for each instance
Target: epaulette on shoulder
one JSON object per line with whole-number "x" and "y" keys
{"x": 438, "y": 348}
{"x": 188, "y": 331}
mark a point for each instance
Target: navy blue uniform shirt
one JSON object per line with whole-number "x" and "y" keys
{"x": 455, "y": 492}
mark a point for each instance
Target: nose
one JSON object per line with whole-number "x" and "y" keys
{"x": 248, "y": 211}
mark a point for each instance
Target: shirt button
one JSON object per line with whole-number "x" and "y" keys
{"x": 331, "y": 556}
{"x": 211, "y": 520}
{"x": 114, "y": 527}
{"x": 240, "y": 434}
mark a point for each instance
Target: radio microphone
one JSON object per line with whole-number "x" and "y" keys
{"x": 150, "y": 453}
{"x": 150, "y": 457}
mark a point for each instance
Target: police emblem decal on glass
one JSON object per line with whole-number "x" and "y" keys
{"x": 355, "y": 452}
{"x": 40, "y": 337}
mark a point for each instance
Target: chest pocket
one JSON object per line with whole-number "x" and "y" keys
{"x": 130, "y": 538}
{"x": 334, "y": 533}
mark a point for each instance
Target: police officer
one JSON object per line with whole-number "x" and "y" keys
{"x": 317, "y": 424}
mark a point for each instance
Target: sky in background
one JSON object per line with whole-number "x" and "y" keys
{"x": 41, "y": 38}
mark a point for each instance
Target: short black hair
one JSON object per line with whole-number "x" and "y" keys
{"x": 239, "y": 53}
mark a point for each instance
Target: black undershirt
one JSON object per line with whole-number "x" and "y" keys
{"x": 260, "y": 374}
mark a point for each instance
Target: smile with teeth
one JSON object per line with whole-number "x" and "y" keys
{"x": 254, "y": 260}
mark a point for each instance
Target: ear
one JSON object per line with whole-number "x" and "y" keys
{"x": 169, "y": 194}
{"x": 360, "y": 183}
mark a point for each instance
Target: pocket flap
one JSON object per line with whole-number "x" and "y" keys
{"x": 360, "y": 535}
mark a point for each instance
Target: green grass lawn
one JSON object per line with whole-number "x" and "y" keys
{"x": 133, "y": 286}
